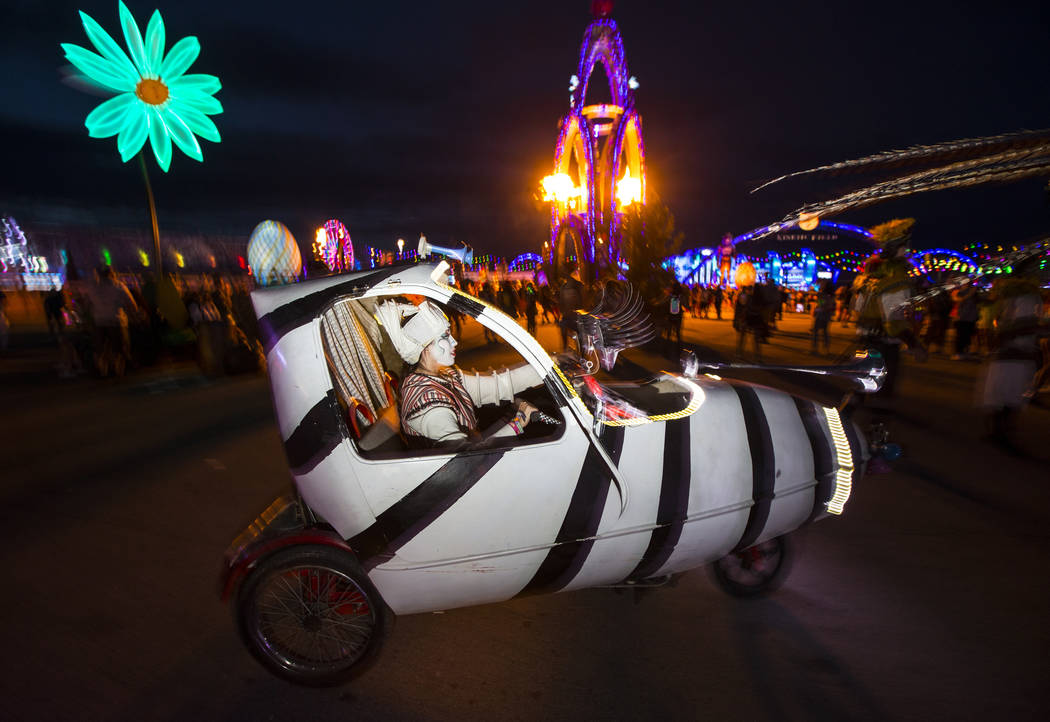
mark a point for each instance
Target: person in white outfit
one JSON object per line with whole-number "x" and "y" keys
{"x": 438, "y": 400}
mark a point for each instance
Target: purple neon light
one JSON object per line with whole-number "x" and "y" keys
{"x": 777, "y": 227}
{"x": 602, "y": 43}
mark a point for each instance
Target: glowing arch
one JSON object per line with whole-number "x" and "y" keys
{"x": 524, "y": 258}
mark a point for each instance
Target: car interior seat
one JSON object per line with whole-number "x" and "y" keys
{"x": 367, "y": 391}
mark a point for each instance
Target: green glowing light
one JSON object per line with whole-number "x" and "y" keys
{"x": 106, "y": 258}
{"x": 156, "y": 99}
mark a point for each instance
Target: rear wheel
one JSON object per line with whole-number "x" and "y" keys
{"x": 755, "y": 571}
{"x": 311, "y": 616}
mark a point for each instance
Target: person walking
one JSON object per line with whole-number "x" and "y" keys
{"x": 965, "y": 312}
{"x": 823, "y": 310}
{"x": 884, "y": 319}
{"x": 749, "y": 320}
{"x": 570, "y": 299}
{"x": 674, "y": 319}
{"x": 111, "y": 306}
{"x": 718, "y": 295}
{"x": 530, "y": 309}
{"x": 1008, "y": 377}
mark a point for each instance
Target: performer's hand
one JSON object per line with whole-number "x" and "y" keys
{"x": 526, "y": 409}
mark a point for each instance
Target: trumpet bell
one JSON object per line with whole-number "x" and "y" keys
{"x": 464, "y": 255}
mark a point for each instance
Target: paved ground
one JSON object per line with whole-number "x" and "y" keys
{"x": 926, "y": 600}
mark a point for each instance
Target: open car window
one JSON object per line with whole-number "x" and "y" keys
{"x": 367, "y": 372}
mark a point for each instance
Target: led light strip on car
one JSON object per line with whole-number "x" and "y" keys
{"x": 844, "y": 474}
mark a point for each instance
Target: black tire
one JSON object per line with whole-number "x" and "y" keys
{"x": 311, "y": 616}
{"x": 756, "y": 571}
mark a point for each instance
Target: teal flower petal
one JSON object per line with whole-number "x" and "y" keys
{"x": 110, "y": 117}
{"x": 200, "y": 83}
{"x": 201, "y": 102}
{"x": 134, "y": 39}
{"x": 98, "y": 69}
{"x": 182, "y": 135}
{"x": 159, "y": 139}
{"x": 107, "y": 47}
{"x": 133, "y": 134}
{"x": 180, "y": 58}
{"x": 155, "y": 41}
{"x": 197, "y": 121}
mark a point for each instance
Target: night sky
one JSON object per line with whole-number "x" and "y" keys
{"x": 409, "y": 117}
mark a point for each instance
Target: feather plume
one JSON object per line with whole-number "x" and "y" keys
{"x": 929, "y": 154}
{"x": 618, "y": 321}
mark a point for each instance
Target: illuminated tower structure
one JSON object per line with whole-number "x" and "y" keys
{"x": 599, "y": 159}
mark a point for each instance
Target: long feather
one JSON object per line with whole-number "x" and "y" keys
{"x": 926, "y": 153}
{"x": 1000, "y": 168}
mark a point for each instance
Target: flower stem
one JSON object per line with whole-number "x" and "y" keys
{"x": 152, "y": 215}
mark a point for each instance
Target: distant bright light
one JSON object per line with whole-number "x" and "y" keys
{"x": 559, "y": 188}
{"x": 574, "y": 82}
{"x": 808, "y": 221}
{"x": 632, "y": 83}
{"x": 628, "y": 189}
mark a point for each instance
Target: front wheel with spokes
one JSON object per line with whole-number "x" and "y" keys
{"x": 311, "y": 615}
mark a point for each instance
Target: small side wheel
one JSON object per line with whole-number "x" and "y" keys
{"x": 311, "y": 616}
{"x": 755, "y": 571}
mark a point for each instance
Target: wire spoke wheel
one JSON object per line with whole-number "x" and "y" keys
{"x": 311, "y": 616}
{"x": 755, "y": 571}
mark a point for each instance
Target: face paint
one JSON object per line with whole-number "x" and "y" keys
{"x": 443, "y": 350}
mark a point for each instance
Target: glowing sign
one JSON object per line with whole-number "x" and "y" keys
{"x": 156, "y": 99}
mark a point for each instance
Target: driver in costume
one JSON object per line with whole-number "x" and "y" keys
{"x": 438, "y": 400}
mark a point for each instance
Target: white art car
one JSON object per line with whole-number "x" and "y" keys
{"x": 626, "y": 483}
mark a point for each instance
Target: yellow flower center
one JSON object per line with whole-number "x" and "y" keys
{"x": 151, "y": 91}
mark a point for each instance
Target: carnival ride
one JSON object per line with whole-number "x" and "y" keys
{"x": 333, "y": 247}
{"x": 599, "y": 157}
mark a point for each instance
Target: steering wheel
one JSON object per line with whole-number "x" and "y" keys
{"x": 540, "y": 417}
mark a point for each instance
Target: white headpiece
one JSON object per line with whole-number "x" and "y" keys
{"x": 426, "y": 323}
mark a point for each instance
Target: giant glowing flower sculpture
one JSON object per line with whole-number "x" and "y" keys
{"x": 157, "y": 99}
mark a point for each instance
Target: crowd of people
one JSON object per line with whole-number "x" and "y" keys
{"x": 109, "y": 323}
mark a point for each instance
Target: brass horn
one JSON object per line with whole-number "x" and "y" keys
{"x": 464, "y": 255}
{"x": 867, "y": 372}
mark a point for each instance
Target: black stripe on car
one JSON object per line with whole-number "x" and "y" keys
{"x": 576, "y": 535}
{"x": 674, "y": 500}
{"x": 823, "y": 456}
{"x": 414, "y": 512}
{"x": 763, "y": 465}
{"x": 319, "y": 432}
{"x": 274, "y": 325}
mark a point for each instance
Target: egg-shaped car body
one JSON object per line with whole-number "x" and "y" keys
{"x": 700, "y": 469}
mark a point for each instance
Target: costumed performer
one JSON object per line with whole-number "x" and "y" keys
{"x": 438, "y": 400}
{"x": 885, "y": 316}
{"x": 1018, "y": 313}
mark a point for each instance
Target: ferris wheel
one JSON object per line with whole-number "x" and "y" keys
{"x": 599, "y": 157}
